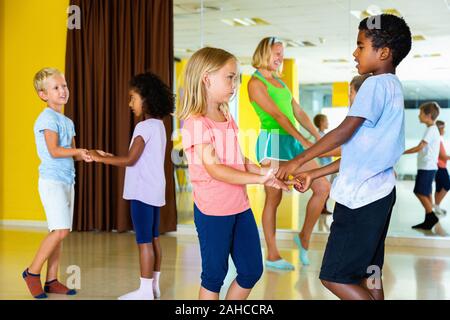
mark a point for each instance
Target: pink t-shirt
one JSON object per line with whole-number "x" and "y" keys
{"x": 214, "y": 197}
{"x": 442, "y": 162}
{"x": 145, "y": 180}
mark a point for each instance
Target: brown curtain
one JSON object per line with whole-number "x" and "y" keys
{"x": 117, "y": 39}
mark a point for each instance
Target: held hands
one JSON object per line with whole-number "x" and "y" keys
{"x": 302, "y": 182}
{"x": 99, "y": 155}
{"x": 286, "y": 169}
{"x": 269, "y": 179}
{"x": 84, "y": 155}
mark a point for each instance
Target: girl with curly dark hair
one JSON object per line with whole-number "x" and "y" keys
{"x": 145, "y": 183}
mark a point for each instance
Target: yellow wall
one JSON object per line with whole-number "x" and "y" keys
{"x": 179, "y": 75}
{"x": 2, "y": 104}
{"x": 339, "y": 96}
{"x": 248, "y": 121}
{"x": 290, "y": 77}
{"x": 35, "y": 37}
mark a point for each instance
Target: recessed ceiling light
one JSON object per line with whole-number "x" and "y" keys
{"x": 335, "y": 61}
{"x": 418, "y": 37}
{"x": 308, "y": 44}
{"x": 393, "y": 11}
{"x": 195, "y": 8}
{"x": 373, "y": 11}
{"x": 427, "y": 55}
{"x": 245, "y": 22}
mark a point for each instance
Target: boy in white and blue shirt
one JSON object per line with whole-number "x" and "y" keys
{"x": 373, "y": 139}
{"x": 427, "y": 159}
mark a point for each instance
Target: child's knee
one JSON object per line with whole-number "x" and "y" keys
{"x": 323, "y": 187}
{"x": 274, "y": 197}
{"x": 213, "y": 280}
{"x": 248, "y": 278}
{"x": 61, "y": 234}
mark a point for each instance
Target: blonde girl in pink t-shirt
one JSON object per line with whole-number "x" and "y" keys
{"x": 219, "y": 172}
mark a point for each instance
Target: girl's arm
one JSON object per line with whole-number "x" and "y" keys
{"x": 207, "y": 155}
{"x": 328, "y": 142}
{"x": 56, "y": 151}
{"x": 129, "y": 160}
{"x": 416, "y": 149}
{"x": 304, "y": 120}
{"x": 258, "y": 93}
{"x": 252, "y": 167}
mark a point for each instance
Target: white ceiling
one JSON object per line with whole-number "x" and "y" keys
{"x": 309, "y": 20}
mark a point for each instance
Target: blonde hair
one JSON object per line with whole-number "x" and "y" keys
{"x": 263, "y": 52}
{"x": 193, "y": 100}
{"x": 42, "y": 75}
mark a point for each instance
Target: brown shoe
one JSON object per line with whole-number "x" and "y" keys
{"x": 57, "y": 287}
{"x": 33, "y": 282}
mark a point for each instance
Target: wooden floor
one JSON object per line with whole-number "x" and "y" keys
{"x": 109, "y": 268}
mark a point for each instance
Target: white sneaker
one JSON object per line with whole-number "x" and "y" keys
{"x": 439, "y": 211}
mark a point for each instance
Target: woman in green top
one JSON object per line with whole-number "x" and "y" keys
{"x": 280, "y": 140}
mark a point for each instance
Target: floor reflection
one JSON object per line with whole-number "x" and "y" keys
{"x": 109, "y": 267}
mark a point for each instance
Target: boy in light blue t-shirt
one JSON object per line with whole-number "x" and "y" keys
{"x": 55, "y": 143}
{"x": 372, "y": 138}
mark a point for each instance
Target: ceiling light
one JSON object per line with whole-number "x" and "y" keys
{"x": 335, "y": 61}
{"x": 245, "y": 22}
{"x": 395, "y": 12}
{"x": 418, "y": 37}
{"x": 427, "y": 55}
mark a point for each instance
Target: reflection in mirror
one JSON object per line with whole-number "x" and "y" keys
{"x": 318, "y": 67}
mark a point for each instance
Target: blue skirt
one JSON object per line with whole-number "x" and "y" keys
{"x": 274, "y": 146}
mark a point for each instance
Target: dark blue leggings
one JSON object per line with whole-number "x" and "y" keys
{"x": 220, "y": 236}
{"x": 145, "y": 221}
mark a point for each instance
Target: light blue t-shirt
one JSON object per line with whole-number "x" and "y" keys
{"x": 58, "y": 169}
{"x": 366, "y": 171}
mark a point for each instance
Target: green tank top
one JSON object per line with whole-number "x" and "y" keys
{"x": 282, "y": 97}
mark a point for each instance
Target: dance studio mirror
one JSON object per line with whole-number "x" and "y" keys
{"x": 319, "y": 38}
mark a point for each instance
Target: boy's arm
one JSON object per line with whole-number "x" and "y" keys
{"x": 333, "y": 153}
{"x": 416, "y": 149}
{"x": 56, "y": 151}
{"x": 328, "y": 142}
{"x": 304, "y": 120}
{"x": 129, "y": 160}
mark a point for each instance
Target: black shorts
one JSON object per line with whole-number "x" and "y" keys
{"x": 424, "y": 182}
{"x": 442, "y": 180}
{"x": 356, "y": 242}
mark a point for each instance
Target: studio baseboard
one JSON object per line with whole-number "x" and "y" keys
{"x": 35, "y": 224}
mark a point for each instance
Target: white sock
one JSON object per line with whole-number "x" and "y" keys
{"x": 156, "y": 291}
{"x": 145, "y": 291}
